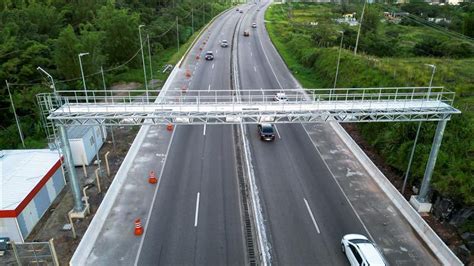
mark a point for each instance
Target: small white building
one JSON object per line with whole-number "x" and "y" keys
{"x": 30, "y": 180}
{"x": 85, "y": 141}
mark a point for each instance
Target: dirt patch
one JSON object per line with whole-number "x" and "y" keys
{"x": 50, "y": 226}
{"x": 445, "y": 231}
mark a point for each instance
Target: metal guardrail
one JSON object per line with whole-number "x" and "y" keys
{"x": 190, "y": 97}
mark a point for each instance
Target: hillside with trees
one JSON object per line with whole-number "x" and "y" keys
{"x": 52, "y": 33}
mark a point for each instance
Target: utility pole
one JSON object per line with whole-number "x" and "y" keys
{"x": 143, "y": 59}
{"x": 360, "y": 26}
{"x": 16, "y": 117}
{"x": 83, "y": 78}
{"x": 149, "y": 57}
{"x": 338, "y": 58}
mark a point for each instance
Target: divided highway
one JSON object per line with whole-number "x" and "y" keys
{"x": 305, "y": 211}
{"x": 196, "y": 216}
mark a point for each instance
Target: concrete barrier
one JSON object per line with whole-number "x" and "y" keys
{"x": 437, "y": 246}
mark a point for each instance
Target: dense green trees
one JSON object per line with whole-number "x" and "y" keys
{"x": 52, "y": 33}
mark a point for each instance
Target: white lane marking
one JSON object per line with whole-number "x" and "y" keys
{"x": 338, "y": 185}
{"x": 154, "y": 196}
{"x": 204, "y": 130}
{"x": 212, "y": 66}
{"x": 251, "y": 54}
{"x": 278, "y": 132}
{"x": 255, "y": 68}
{"x": 312, "y": 216}
{"x": 209, "y": 88}
{"x": 196, "y": 215}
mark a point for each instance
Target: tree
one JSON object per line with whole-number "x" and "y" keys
{"x": 468, "y": 25}
{"x": 65, "y": 53}
{"x": 120, "y": 27}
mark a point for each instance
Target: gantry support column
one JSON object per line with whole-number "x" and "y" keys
{"x": 420, "y": 202}
{"x": 73, "y": 181}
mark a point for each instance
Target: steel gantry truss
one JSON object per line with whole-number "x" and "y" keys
{"x": 124, "y": 107}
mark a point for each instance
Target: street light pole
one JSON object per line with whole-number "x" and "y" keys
{"x": 149, "y": 58}
{"x": 177, "y": 31}
{"x": 143, "y": 59}
{"x": 431, "y": 80}
{"x": 192, "y": 20}
{"x": 360, "y": 26}
{"x": 50, "y": 77}
{"x": 338, "y": 58}
{"x": 83, "y": 78}
{"x": 417, "y": 134}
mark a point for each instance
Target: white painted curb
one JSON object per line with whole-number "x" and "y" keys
{"x": 437, "y": 246}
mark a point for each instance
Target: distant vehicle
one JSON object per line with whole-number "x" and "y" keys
{"x": 209, "y": 55}
{"x": 254, "y": 25}
{"x": 246, "y": 33}
{"x": 241, "y": 11}
{"x": 361, "y": 251}
{"x": 237, "y": 9}
{"x": 280, "y": 97}
{"x": 258, "y": 9}
{"x": 224, "y": 43}
{"x": 266, "y": 132}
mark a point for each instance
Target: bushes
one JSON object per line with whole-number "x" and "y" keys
{"x": 315, "y": 66}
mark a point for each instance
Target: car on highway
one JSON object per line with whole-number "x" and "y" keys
{"x": 266, "y": 132}
{"x": 241, "y": 11}
{"x": 246, "y": 33}
{"x": 209, "y": 55}
{"x": 254, "y": 25}
{"x": 237, "y": 9}
{"x": 224, "y": 43}
{"x": 361, "y": 251}
{"x": 280, "y": 97}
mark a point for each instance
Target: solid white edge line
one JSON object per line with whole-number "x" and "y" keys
{"x": 312, "y": 216}
{"x": 339, "y": 185}
{"x": 154, "y": 197}
{"x": 196, "y": 214}
{"x": 278, "y": 132}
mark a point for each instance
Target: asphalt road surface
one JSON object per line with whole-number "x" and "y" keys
{"x": 196, "y": 217}
{"x": 305, "y": 211}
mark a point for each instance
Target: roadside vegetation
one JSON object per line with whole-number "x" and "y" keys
{"x": 392, "y": 54}
{"x": 51, "y": 34}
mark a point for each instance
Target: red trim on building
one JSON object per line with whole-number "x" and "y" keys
{"x": 14, "y": 213}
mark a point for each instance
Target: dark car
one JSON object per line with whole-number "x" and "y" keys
{"x": 246, "y": 33}
{"x": 266, "y": 132}
{"x": 209, "y": 55}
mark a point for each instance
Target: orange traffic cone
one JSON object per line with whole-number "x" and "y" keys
{"x": 152, "y": 178}
{"x": 138, "y": 227}
{"x": 169, "y": 127}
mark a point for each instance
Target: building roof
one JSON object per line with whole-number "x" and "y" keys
{"x": 22, "y": 175}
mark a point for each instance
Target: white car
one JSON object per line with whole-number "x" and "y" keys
{"x": 280, "y": 97}
{"x": 361, "y": 251}
{"x": 224, "y": 43}
{"x": 254, "y": 25}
